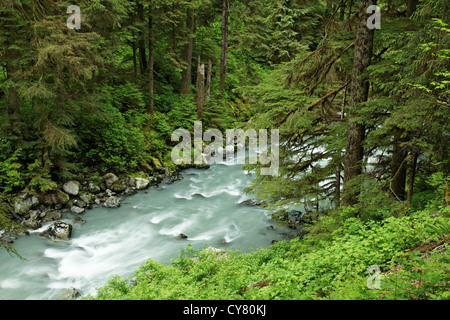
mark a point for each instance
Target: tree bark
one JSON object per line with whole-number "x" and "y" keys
{"x": 412, "y": 175}
{"x": 411, "y": 8}
{"x": 200, "y": 96}
{"x": 141, "y": 42}
{"x": 224, "y": 51}
{"x": 150, "y": 60}
{"x": 338, "y": 186}
{"x": 359, "y": 93}
{"x": 208, "y": 80}
{"x": 188, "y": 48}
{"x": 398, "y": 170}
{"x": 133, "y": 46}
{"x": 11, "y": 55}
{"x": 350, "y": 7}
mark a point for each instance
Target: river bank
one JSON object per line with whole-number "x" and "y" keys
{"x": 209, "y": 207}
{"x": 31, "y": 209}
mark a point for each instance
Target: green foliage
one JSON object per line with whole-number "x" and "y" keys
{"x": 109, "y": 141}
{"x": 312, "y": 268}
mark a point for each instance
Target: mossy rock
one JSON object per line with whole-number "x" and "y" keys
{"x": 156, "y": 163}
{"x": 118, "y": 187}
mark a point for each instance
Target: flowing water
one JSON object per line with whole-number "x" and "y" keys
{"x": 204, "y": 205}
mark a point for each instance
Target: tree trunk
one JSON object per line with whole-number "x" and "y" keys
{"x": 342, "y": 10}
{"x": 150, "y": 60}
{"x": 133, "y": 46}
{"x": 188, "y": 48}
{"x": 359, "y": 93}
{"x": 412, "y": 6}
{"x": 141, "y": 41}
{"x": 200, "y": 96}
{"x": 338, "y": 186}
{"x": 11, "y": 56}
{"x": 412, "y": 175}
{"x": 224, "y": 51}
{"x": 350, "y": 7}
{"x": 208, "y": 80}
{"x": 398, "y": 170}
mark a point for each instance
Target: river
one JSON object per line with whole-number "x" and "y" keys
{"x": 204, "y": 205}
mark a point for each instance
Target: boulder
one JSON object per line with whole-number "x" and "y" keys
{"x": 62, "y": 197}
{"x": 51, "y": 216}
{"x": 77, "y": 210}
{"x": 118, "y": 187}
{"x": 24, "y": 203}
{"x": 79, "y": 221}
{"x": 58, "y": 231}
{"x": 182, "y": 236}
{"x": 253, "y": 202}
{"x": 112, "y": 202}
{"x": 141, "y": 183}
{"x": 87, "y": 197}
{"x": 131, "y": 182}
{"x": 110, "y": 179}
{"x": 72, "y": 187}
{"x": 33, "y": 221}
{"x": 79, "y": 203}
{"x": 70, "y": 294}
{"x": 94, "y": 188}
{"x": 129, "y": 191}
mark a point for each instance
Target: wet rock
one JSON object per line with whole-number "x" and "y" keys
{"x": 77, "y": 210}
{"x": 62, "y": 197}
{"x": 33, "y": 221}
{"x": 141, "y": 183}
{"x": 72, "y": 188}
{"x": 94, "y": 188}
{"x": 24, "y": 203}
{"x": 79, "y": 221}
{"x": 118, "y": 187}
{"x": 112, "y": 202}
{"x": 182, "y": 236}
{"x": 110, "y": 179}
{"x": 51, "y": 216}
{"x": 129, "y": 191}
{"x": 253, "y": 203}
{"x": 58, "y": 231}
{"x": 86, "y": 197}
{"x": 79, "y": 203}
{"x": 70, "y": 294}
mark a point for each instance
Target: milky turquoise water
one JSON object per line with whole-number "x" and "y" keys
{"x": 204, "y": 205}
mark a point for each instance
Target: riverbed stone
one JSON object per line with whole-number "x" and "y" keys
{"x": 52, "y": 215}
{"x": 33, "y": 221}
{"x": 77, "y": 210}
{"x": 24, "y": 203}
{"x": 141, "y": 183}
{"x": 70, "y": 294}
{"x": 86, "y": 197}
{"x": 118, "y": 187}
{"x": 94, "y": 188}
{"x": 253, "y": 203}
{"x": 112, "y": 202}
{"x": 72, "y": 188}
{"x": 58, "y": 231}
{"x": 110, "y": 179}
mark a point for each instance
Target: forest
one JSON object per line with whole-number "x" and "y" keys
{"x": 361, "y": 99}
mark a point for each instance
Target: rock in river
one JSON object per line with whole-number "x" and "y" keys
{"x": 77, "y": 210}
{"x": 72, "y": 187}
{"x": 112, "y": 202}
{"x": 58, "y": 231}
